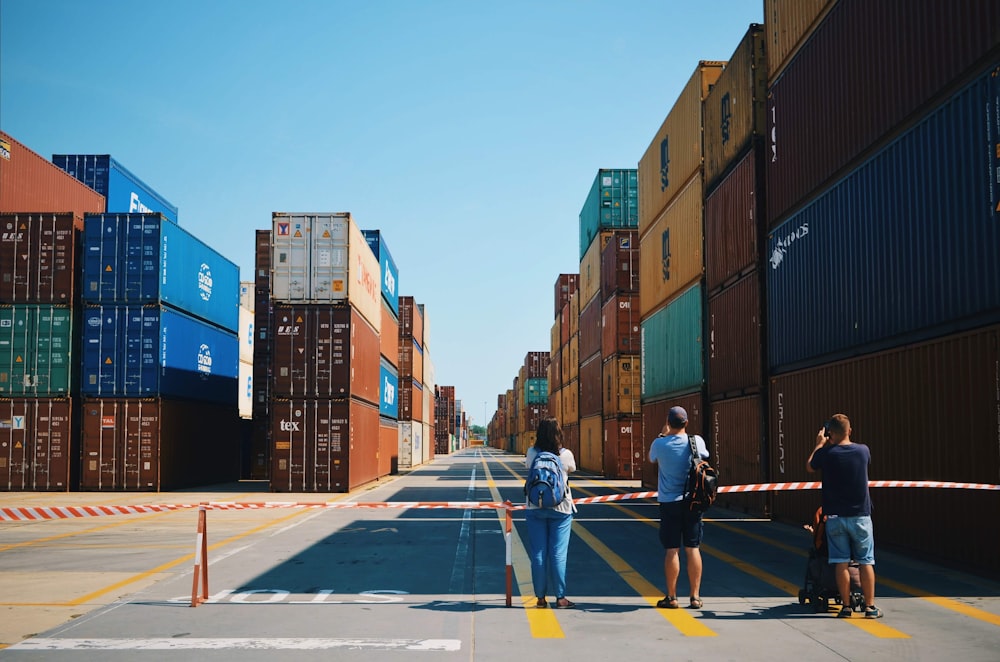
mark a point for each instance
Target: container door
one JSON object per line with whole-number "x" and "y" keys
{"x": 101, "y": 420}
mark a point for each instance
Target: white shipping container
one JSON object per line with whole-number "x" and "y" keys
{"x": 245, "y": 385}
{"x": 246, "y": 334}
{"x": 411, "y": 446}
{"x": 324, "y": 258}
{"x": 425, "y": 451}
{"x": 247, "y": 295}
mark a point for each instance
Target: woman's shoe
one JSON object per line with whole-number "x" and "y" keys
{"x": 696, "y": 602}
{"x": 669, "y": 602}
{"x": 541, "y": 604}
{"x": 563, "y": 603}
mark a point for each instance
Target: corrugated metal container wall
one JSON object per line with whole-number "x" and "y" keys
{"x": 36, "y": 345}
{"x": 591, "y": 387}
{"x": 388, "y": 391}
{"x": 555, "y": 404}
{"x": 732, "y": 224}
{"x": 411, "y": 320}
{"x": 927, "y": 412}
{"x": 424, "y": 338}
{"x": 735, "y": 337}
{"x": 789, "y": 23}
{"x": 574, "y": 313}
{"x": 654, "y": 417}
{"x": 157, "y": 444}
{"x": 621, "y": 377}
{"x": 591, "y": 457}
{"x": 387, "y": 268}
{"x": 35, "y": 444}
{"x": 411, "y": 399}
{"x": 858, "y": 85}
{"x": 245, "y": 334}
{"x": 623, "y": 447}
{"x": 620, "y": 265}
{"x": 408, "y": 453}
{"x": 671, "y": 254}
{"x": 149, "y": 351}
{"x": 388, "y": 447}
{"x": 590, "y": 269}
{"x": 29, "y": 182}
{"x": 573, "y": 360}
{"x": 734, "y": 108}
{"x": 324, "y": 352}
{"x": 675, "y": 153}
{"x": 555, "y": 371}
{"x": 247, "y": 299}
{"x": 738, "y": 447}
{"x": 388, "y": 337}
{"x": 620, "y": 332}
{"x": 38, "y": 254}
{"x": 564, "y": 324}
{"x": 554, "y": 340}
{"x": 410, "y": 359}
{"x": 933, "y": 235}
{"x": 571, "y": 439}
{"x": 566, "y": 285}
{"x": 536, "y": 364}
{"x": 262, "y": 348}
{"x": 141, "y": 258}
{"x": 244, "y": 397}
{"x": 672, "y": 348}
{"x": 123, "y": 191}
{"x": 427, "y": 435}
{"x": 590, "y": 329}
{"x": 324, "y": 258}
{"x": 536, "y": 391}
{"x": 323, "y": 445}
{"x": 613, "y": 202}
{"x": 571, "y": 402}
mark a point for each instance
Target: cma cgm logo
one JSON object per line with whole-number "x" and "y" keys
{"x": 288, "y": 426}
{"x": 388, "y": 392}
{"x": 389, "y": 281}
{"x": 665, "y": 163}
{"x": 204, "y": 359}
{"x": 205, "y": 282}
{"x": 134, "y": 204}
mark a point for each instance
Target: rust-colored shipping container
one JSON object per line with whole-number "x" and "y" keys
{"x": 536, "y": 364}
{"x": 156, "y": 444}
{"x": 571, "y": 439}
{"x": 574, "y": 313}
{"x": 564, "y": 324}
{"x": 591, "y": 387}
{"x": 590, "y": 330}
{"x": 788, "y": 24}
{"x": 862, "y": 88}
{"x": 388, "y": 337}
{"x": 388, "y": 447}
{"x": 35, "y": 444}
{"x": 411, "y": 320}
{"x": 733, "y": 217}
{"x": 323, "y": 445}
{"x": 411, "y": 399}
{"x": 324, "y": 351}
{"x": 622, "y": 380}
{"x": 623, "y": 447}
{"x": 734, "y": 108}
{"x": 654, "y": 417}
{"x": 555, "y": 404}
{"x": 735, "y": 339}
{"x": 566, "y": 285}
{"x": 590, "y": 269}
{"x": 411, "y": 359}
{"x": 38, "y": 257}
{"x": 927, "y": 412}
{"x": 670, "y": 252}
{"x": 570, "y": 396}
{"x": 262, "y": 261}
{"x": 738, "y": 447}
{"x": 620, "y": 330}
{"x": 555, "y": 371}
{"x": 29, "y": 182}
{"x": 591, "y": 457}
{"x": 620, "y": 265}
{"x": 675, "y": 153}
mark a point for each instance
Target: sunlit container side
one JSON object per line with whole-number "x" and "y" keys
{"x": 246, "y": 335}
{"x": 733, "y": 223}
{"x": 654, "y": 417}
{"x": 921, "y": 253}
{"x": 410, "y": 444}
{"x": 572, "y": 360}
{"x": 570, "y": 397}
{"x": 564, "y": 323}
{"x": 140, "y": 258}
{"x": 245, "y": 391}
{"x": 591, "y": 391}
{"x": 124, "y": 192}
{"x": 324, "y": 352}
{"x": 621, "y": 381}
{"x": 620, "y": 332}
{"x": 591, "y": 457}
{"x": 150, "y": 351}
{"x": 555, "y": 379}
{"x": 734, "y": 108}
{"x": 735, "y": 338}
{"x": 247, "y": 298}
{"x": 30, "y": 182}
{"x": 672, "y": 347}
{"x": 427, "y": 440}
{"x": 788, "y": 24}
{"x": 590, "y": 270}
{"x": 675, "y": 153}
{"x": 157, "y": 444}
{"x": 324, "y": 258}
{"x": 425, "y": 335}
{"x": 411, "y": 362}
{"x": 870, "y": 85}
{"x": 566, "y": 285}
{"x": 590, "y": 330}
{"x": 38, "y": 257}
{"x": 623, "y": 447}
{"x": 571, "y": 439}
{"x": 671, "y": 254}
{"x": 927, "y": 412}
{"x": 36, "y": 350}
{"x": 738, "y": 447}
{"x": 555, "y": 403}
{"x": 411, "y": 319}
{"x": 387, "y": 268}
{"x": 388, "y": 447}
{"x": 620, "y": 265}
{"x": 613, "y": 203}
{"x": 388, "y": 390}
{"x": 388, "y": 337}
{"x": 35, "y": 444}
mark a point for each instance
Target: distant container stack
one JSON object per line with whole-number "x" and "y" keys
{"x": 445, "y": 430}
{"x": 412, "y": 444}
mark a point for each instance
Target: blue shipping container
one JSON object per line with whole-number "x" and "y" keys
{"x": 902, "y": 249}
{"x": 151, "y": 351}
{"x": 139, "y": 258}
{"x": 387, "y": 267}
{"x": 388, "y": 391}
{"x": 123, "y": 191}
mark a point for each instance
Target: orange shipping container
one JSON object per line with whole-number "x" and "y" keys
{"x": 591, "y": 456}
{"x": 570, "y": 398}
{"x": 620, "y": 333}
{"x": 388, "y": 337}
{"x": 31, "y": 183}
{"x": 622, "y": 380}
{"x": 590, "y": 330}
{"x": 590, "y": 269}
{"x": 388, "y": 447}
{"x": 573, "y": 360}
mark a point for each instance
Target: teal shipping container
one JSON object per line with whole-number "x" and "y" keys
{"x": 35, "y": 348}
{"x": 613, "y": 203}
{"x": 672, "y": 347}
{"x": 536, "y": 390}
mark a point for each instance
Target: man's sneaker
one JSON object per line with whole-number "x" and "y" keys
{"x": 845, "y": 612}
{"x": 872, "y": 611}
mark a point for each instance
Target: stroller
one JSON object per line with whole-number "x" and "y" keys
{"x": 820, "y": 584}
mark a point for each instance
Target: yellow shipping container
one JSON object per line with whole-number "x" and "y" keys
{"x": 591, "y": 444}
{"x": 789, "y": 23}
{"x": 675, "y": 153}
{"x": 734, "y": 109}
{"x": 622, "y": 383}
{"x": 554, "y": 340}
{"x": 590, "y": 270}
{"x": 555, "y": 405}
{"x": 573, "y": 360}
{"x": 670, "y": 253}
{"x": 570, "y": 397}
{"x": 574, "y": 313}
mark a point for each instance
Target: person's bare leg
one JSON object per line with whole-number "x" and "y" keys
{"x": 694, "y": 570}
{"x": 672, "y": 569}
{"x": 843, "y": 583}
{"x": 867, "y": 573}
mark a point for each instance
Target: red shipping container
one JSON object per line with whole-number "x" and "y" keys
{"x": 733, "y": 216}
{"x": 735, "y": 337}
{"x": 29, "y": 182}
{"x": 411, "y": 320}
{"x": 654, "y": 417}
{"x": 38, "y": 257}
{"x": 620, "y": 330}
{"x": 566, "y": 285}
{"x": 624, "y": 450}
{"x": 620, "y": 265}
{"x": 35, "y": 444}
{"x": 590, "y": 330}
{"x": 737, "y": 443}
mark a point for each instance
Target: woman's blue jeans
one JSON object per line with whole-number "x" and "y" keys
{"x": 548, "y": 535}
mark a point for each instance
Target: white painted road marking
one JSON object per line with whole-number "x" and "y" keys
{"x": 195, "y": 643}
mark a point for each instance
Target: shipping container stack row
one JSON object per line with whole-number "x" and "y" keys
{"x": 416, "y": 396}
{"x": 445, "y": 431}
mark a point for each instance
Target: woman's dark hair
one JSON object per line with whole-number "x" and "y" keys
{"x": 549, "y": 436}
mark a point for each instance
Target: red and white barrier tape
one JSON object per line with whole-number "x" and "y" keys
{"x": 39, "y": 513}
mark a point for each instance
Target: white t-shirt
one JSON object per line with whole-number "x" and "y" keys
{"x": 569, "y": 466}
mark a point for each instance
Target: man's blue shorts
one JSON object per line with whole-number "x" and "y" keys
{"x": 677, "y": 524}
{"x": 851, "y": 539}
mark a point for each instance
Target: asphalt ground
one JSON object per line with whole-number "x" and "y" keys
{"x": 308, "y": 583}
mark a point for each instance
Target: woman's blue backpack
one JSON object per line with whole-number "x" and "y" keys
{"x": 545, "y": 486}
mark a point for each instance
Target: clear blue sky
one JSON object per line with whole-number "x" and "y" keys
{"x": 468, "y": 132}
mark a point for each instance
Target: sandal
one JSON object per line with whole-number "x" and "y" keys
{"x": 563, "y": 603}
{"x": 669, "y": 602}
{"x": 845, "y": 612}
{"x": 696, "y": 602}
{"x": 871, "y": 611}
{"x": 541, "y": 604}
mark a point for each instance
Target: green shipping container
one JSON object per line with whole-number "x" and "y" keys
{"x": 536, "y": 390}
{"x": 613, "y": 203}
{"x": 672, "y": 356}
{"x": 35, "y": 344}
